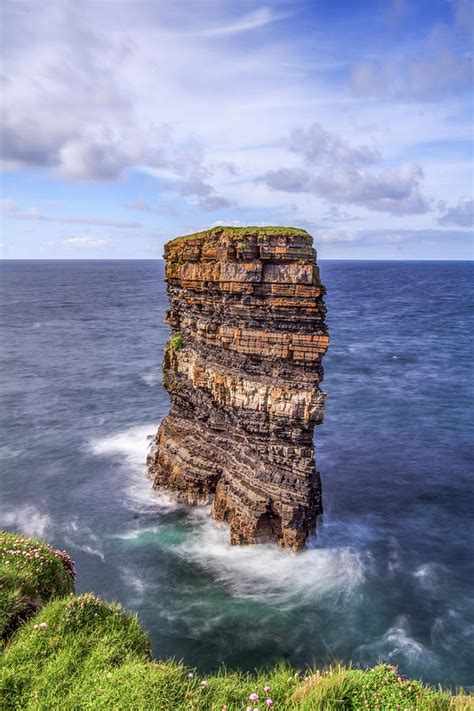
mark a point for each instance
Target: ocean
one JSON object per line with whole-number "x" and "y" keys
{"x": 390, "y": 574}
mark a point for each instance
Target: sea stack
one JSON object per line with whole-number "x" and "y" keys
{"x": 242, "y": 369}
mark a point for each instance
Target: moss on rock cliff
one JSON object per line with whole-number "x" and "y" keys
{"x": 239, "y": 233}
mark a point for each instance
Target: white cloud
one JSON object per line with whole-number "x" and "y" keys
{"x": 259, "y": 18}
{"x": 79, "y": 158}
{"x": 199, "y": 95}
{"x": 317, "y": 145}
{"x": 341, "y": 175}
{"x": 84, "y": 242}
{"x": 335, "y": 214}
{"x": 461, "y": 214}
{"x": 103, "y": 101}
{"x": 204, "y": 192}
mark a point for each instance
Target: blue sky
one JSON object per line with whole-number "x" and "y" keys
{"x": 128, "y": 122}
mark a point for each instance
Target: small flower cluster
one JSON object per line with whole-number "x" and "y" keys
{"x": 82, "y": 608}
{"x": 25, "y": 550}
{"x": 67, "y": 561}
{"x": 41, "y": 626}
{"x": 254, "y": 697}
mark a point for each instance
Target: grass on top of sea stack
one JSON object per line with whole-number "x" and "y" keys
{"x": 217, "y": 233}
{"x": 79, "y": 652}
{"x": 31, "y": 574}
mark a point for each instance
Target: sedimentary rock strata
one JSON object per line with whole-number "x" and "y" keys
{"x": 242, "y": 369}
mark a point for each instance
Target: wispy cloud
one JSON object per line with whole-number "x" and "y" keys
{"x": 84, "y": 243}
{"x": 252, "y": 21}
{"x": 11, "y": 208}
{"x": 335, "y": 214}
{"x": 388, "y": 236}
{"x": 142, "y": 206}
{"x": 461, "y": 214}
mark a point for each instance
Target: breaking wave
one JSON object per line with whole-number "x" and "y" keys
{"x": 396, "y": 646}
{"x": 264, "y": 572}
{"x": 129, "y": 448}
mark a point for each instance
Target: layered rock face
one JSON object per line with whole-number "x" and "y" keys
{"x": 242, "y": 369}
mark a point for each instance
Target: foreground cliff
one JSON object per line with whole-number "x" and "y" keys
{"x": 79, "y": 652}
{"x": 243, "y": 368}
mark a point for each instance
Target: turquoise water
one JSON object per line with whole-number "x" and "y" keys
{"x": 390, "y": 573}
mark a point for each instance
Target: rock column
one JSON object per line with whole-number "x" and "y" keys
{"x": 242, "y": 369}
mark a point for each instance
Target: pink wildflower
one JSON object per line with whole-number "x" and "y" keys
{"x": 43, "y": 625}
{"x": 269, "y": 702}
{"x": 266, "y": 689}
{"x": 204, "y": 684}
{"x": 253, "y": 697}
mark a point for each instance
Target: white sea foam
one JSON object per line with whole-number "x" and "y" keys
{"x": 452, "y": 631}
{"x": 129, "y": 443}
{"x": 84, "y": 547}
{"x": 82, "y": 538}
{"x": 254, "y": 572}
{"x": 395, "y": 562}
{"x": 151, "y": 379}
{"x": 136, "y": 584}
{"x": 28, "y": 519}
{"x": 396, "y": 646}
{"x": 138, "y": 533}
{"x": 430, "y": 576}
{"x": 34, "y": 522}
{"x": 264, "y": 572}
{"x": 129, "y": 448}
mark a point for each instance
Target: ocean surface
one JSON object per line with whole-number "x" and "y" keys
{"x": 390, "y": 575}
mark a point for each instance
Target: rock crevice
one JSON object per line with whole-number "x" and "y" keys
{"x": 243, "y": 369}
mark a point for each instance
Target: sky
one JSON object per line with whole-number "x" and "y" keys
{"x": 128, "y": 122}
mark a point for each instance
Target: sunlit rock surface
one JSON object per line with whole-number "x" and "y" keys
{"x": 243, "y": 369}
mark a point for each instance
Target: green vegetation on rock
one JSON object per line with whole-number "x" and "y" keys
{"x": 31, "y": 574}
{"x": 216, "y": 233}
{"x": 79, "y": 652}
{"x": 175, "y": 342}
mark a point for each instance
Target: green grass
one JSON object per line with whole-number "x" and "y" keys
{"x": 263, "y": 233}
{"x": 175, "y": 342}
{"x": 79, "y": 652}
{"x": 31, "y": 574}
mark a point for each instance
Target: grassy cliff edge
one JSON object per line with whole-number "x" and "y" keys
{"x": 64, "y": 651}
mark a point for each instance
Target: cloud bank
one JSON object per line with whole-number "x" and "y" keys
{"x": 191, "y": 113}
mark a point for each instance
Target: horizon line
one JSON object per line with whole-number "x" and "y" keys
{"x": 161, "y": 259}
